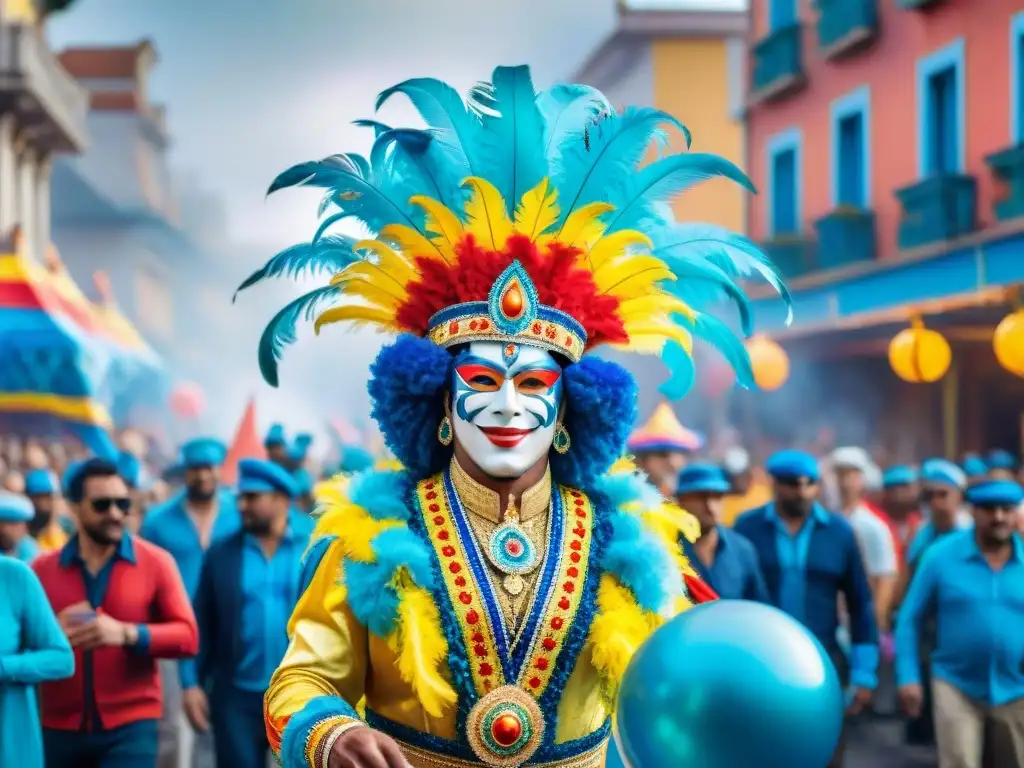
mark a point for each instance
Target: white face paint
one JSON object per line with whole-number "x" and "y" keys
{"x": 505, "y": 405}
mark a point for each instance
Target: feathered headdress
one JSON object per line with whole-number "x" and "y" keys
{"x": 521, "y": 217}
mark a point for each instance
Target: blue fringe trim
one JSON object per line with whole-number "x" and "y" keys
{"x": 577, "y": 636}
{"x": 301, "y": 724}
{"x": 548, "y": 752}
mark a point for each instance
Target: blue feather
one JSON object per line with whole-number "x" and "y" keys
{"x": 734, "y": 254}
{"x": 378, "y": 127}
{"x": 691, "y": 271}
{"x": 420, "y": 164}
{"x": 511, "y": 143}
{"x": 681, "y": 371}
{"x": 617, "y": 144}
{"x": 443, "y": 109}
{"x": 567, "y": 109}
{"x": 661, "y": 181}
{"x": 281, "y": 330}
{"x": 713, "y": 331}
{"x": 331, "y": 254}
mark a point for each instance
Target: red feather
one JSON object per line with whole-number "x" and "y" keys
{"x": 699, "y": 591}
{"x": 559, "y": 281}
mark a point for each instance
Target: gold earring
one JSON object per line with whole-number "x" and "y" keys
{"x": 561, "y": 441}
{"x": 444, "y": 431}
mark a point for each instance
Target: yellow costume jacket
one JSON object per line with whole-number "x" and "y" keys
{"x": 403, "y": 625}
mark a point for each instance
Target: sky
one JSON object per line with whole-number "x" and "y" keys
{"x": 254, "y": 87}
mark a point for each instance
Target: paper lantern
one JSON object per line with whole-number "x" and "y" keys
{"x": 919, "y": 355}
{"x": 1008, "y": 342}
{"x": 187, "y": 400}
{"x": 769, "y": 362}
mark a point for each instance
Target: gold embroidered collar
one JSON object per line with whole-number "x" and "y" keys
{"x": 486, "y": 503}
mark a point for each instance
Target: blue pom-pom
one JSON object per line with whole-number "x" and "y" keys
{"x": 601, "y": 406}
{"x": 641, "y": 562}
{"x": 399, "y": 547}
{"x": 382, "y": 494}
{"x": 407, "y": 386}
{"x": 372, "y": 601}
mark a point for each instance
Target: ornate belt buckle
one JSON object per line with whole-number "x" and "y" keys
{"x": 505, "y": 727}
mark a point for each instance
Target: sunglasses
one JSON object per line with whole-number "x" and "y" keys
{"x": 104, "y": 504}
{"x": 795, "y": 482}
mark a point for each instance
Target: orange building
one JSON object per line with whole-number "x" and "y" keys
{"x": 887, "y": 138}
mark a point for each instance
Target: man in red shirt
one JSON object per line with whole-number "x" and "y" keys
{"x": 122, "y": 604}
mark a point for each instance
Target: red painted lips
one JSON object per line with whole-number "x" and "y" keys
{"x": 505, "y": 437}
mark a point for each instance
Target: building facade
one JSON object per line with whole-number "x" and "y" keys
{"x": 887, "y": 139}
{"x": 689, "y": 63}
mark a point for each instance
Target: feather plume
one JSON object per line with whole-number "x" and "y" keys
{"x": 281, "y": 330}
{"x": 422, "y": 648}
{"x": 425, "y": 164}
{"x": 391, "y": 263}
{"x": 357, "y": 315}
{"x": 331, "y": 254}
{"x": 584, "y": 226}
{"x": 488, "y": 218}
{"x": 511, "y": 135}
{"x": 538, "y": 210}
{"x": 567, "y": 108}
{"x": 617, "y": 244}
{"x": 441, "y": 222}
{"x": 413, "y": 243}
{"x": 631, "y": 276}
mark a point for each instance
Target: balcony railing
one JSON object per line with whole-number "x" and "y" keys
{"x": 778, "y": 64}
{"x": 48, "y": 103}
{"x": 938, "y": 208}
{"x": 845, "y": 236}
{"x": 793, "y": 254}
{"x": 846, "y": 26}
{"x": 1008, "y": 168}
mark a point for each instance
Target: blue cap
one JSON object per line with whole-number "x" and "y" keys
{"x": 999, "y": 459}
{"x": 901, "y": 474}
{"x": 15, "y": 508}
{"x": 702, "y": 477}
{"x": 261, "y": 476}
{"x": 300, "y": 447}
{"x": 995, "y": 492}
{"x": 355, "y": 459}
{"x": 275, "y": 436}
{"x": 974, "y": 466}
{"x": 71, "y": 473}
{"x": 133, "y": 471}
{"x": 943, "y": 472}
{"x": 40, "y": 482}
{"x": 789, "y": 465}
{"x": 203, "y": 452}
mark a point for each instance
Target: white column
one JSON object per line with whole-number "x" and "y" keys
{"x": 27, "y": 201}
{"x": 44, "y": 169}
{"x": 8, "y": 176}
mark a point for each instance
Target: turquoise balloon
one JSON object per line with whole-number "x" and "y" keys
{"x": 729, "y": 684}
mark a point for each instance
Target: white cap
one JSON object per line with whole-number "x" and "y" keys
{"x": 853, "y": 457}
{"x": 736, "y": 461}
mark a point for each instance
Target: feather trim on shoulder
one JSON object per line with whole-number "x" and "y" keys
{"x": 388, "y": 575}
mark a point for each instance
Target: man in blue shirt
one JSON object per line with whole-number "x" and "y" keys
{"x": 249, "y": 585}
{"x": 724, "y": 559}
{"x": 974, "y": 581}
{"x": 809, "y": 557}
{"x": 185, "y": 525}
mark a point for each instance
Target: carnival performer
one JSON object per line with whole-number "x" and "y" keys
{"x": 479, "y": 607}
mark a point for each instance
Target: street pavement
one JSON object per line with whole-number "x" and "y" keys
{"x": 879, "y": 744}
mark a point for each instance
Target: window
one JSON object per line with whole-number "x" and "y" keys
{"x": 851, "y": 149}
{"x": 1017, "y": 79}
{"x": 940, "y": 105}
{"x": 784, "y": 185}
{"x": 781, "y": 14}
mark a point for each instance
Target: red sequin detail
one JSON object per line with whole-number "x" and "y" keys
{"x": 569, "y": 587}
{"x": 434, "y": 508}
{"x": 472, "y": 617}
{"x": 478, "y": 637}
{"x": 453, "y": 327}
{"x": 448, "y": 550}
{"x": 454, "y": 567}
{"x": 429, "y": 485}
{"x": 579, "y": 502}
{"x": 549, "y": 644}
{"x": 460, "y": 581}
{"x": 575, "y": 494}
{"x": 573, "y": 571}
{"x": 582, "y": 513}
{"x": 541, "y": 664}
{"x": 486, "y": 670}
{"x": 439, "y": 520}
{"x": 581, "y": 532}
{"x": 465, "y": 598}
{"x": 574, "y": 545}
{"x": 557, "y": 622}
{"x": 479, "y": 650}
{"x": 564, "y": 604}
{"x": 535, "y": 682}
{"x": 443, "y": 535}
{"x": 473, "y": 325}
{"x": 484, "y": 325}
{"x": 431, "y": 495}
{"x": 575, "y": 557}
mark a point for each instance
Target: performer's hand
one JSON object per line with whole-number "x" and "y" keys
{"x": 911, "y": 699}
{"x": 364, "y": 747}
{"x": 861, "y": 700}
{"x": 197, "y": 708}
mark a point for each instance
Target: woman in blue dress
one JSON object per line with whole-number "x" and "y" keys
{"x": 16, "y": 512}
{"x": 33, "y": 649}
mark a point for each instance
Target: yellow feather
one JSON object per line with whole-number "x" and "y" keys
{"x": 488, "y": 219}
{"x": 622, "y": 466}
{"x": 538, "y": 210}
{"x": 412, "y": 242}
{"x": 583, "y": 227}
{"x": 372, "y": 293}
{"x": 651, "y": 305}
{"x": 391, "y": 263}
{"x": 371, "y": 273}
{"x": 441, "y": 222}
{"x": 616, "y": 244}
{"x": 357, "y": 315}
{"x": 631, "y": 276}
{"x": 352, "y": 525}
{"x": 650, "y": 338}
{"x": 421, "y": 648}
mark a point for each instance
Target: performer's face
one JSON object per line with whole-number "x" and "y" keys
{"x": 505, "y": 405}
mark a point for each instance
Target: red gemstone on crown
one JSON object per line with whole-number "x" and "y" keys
{"x": 512, "y": 302}
{"x": 510, "y": 350}
{"x": 506, "y": 729}
{"x": 513, "y": 547}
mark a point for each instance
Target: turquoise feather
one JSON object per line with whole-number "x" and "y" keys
{"x": 331, "y": 255}
{"x": 567, "y": 109}
{"x": 281, "y": 330}
{"x": 682, "y": 373}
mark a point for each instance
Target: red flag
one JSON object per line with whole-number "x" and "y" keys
{"x": 700, "y": 592}
{"x": 246, "y": 445}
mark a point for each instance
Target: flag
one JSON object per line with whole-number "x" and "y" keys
{"x": 246, "y": 445}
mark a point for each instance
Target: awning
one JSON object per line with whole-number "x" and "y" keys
{"x": 65, "y": 359}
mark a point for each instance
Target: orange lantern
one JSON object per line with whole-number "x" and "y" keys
{"x": 919, "y": 355}
{"x": 769, "y": 362}
{"x": 1008, "y": 342}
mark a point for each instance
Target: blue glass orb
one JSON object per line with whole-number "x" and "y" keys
{"x": 729, "y": 684}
